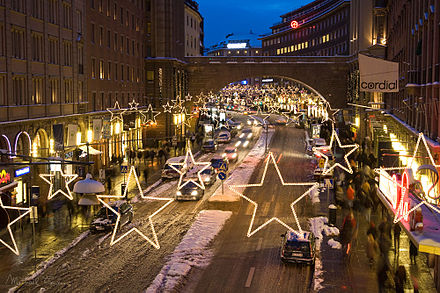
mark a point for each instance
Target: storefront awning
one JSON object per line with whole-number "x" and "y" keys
{"x": 8, "y": 186}
{"x": 92, "y": 151}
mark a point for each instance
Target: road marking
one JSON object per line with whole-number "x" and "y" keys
{"x": 250, "y": 277}
{"x": 260, "y": 243}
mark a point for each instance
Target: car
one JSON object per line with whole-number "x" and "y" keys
{"x": 317, "y": 174}
{"x": 224, "y": 137}
{"x": 209, "y": 146}
{"x": 217, "y": 161}
{"x": 105, "y": 219}
{"x": 189, "y": 191}
{"x": 231, "y": 154}
{"x": 281, "y": 122}
{"x": 168, "y": 172}
{"x": 208, "y": 176}
{"x": 252, "y": 121}
{"x": 298, "y": 248}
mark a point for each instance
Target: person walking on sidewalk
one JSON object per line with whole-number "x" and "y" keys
{"x": 396, "y": 230}
{"x": 412, "y": 252}
{"x": 146, "y": 175}
{"x": 372, "y": 230}
{"x": 350, "y": 195}
{"x": 400, "y": 279}
{"x": 348, "y": 233}
{"x": 372, "y": 249}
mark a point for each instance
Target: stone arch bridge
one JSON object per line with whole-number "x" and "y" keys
{"x": 327, "y": 76}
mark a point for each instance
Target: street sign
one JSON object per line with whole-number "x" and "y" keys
{"x": 328, "y": 183}
{"x": 124, "y": 169}
{"x": 223, "y": 167}
{"x": 321, "y": 163}
{"x": 221, "y": 175}
{"x": 34, "y": 214}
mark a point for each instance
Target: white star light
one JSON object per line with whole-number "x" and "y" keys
{"x": 118, "y": 116}
{"x": 133, "y": 105}
{"x": 251, "y": 231}
{"x": 321, "y": 151}
{"x": 261, "y": 113}
{"x": 149, "y": 115}
{"x": 68, "y": 178}
{"x": 330, "y": 116}
{"x": 190, "y": 164}
{"x": 167, "y": 108}
{"x": 14, "y": 247}
{"x": 154, "y": 242}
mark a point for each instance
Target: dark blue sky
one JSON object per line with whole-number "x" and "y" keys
{"x": 240, "y": 16}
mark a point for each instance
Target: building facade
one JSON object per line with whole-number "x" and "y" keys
{"x": 193, "y": 29}
{"x": 237, "y": 45}
{"x": 320, "y": 28}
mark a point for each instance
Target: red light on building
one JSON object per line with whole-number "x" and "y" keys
{"x": 294, "y": 24}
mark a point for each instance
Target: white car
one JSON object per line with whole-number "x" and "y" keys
{"x": 231, "y": 154}
{"x": 224, "y": 137}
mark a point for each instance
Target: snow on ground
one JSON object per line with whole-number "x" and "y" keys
{"x": 314, "y": 195}
{"x": 317, "y": 225}
{"x": 331, "y": 231}
{"x": 43, "y": 266}
{"x": 192, "y": 251}
{"x": 242, "y": 173}
{"x": 334, "y": 244}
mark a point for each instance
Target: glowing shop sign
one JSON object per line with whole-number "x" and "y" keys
{"x": 5, "y": 177}
{"x": 294, "y": 24}
{"x": 236, "y": 45}
{"x": 396, "y": 192}
{"x": 22, "y": 171}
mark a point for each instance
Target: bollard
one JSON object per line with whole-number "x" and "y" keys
{"x": 332, "y": 214}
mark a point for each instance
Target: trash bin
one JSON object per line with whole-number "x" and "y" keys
{"x": 123, "y": 186}
{"x": 332, "y": 214}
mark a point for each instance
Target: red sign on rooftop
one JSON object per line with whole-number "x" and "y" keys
{"x": 294, "y": 24}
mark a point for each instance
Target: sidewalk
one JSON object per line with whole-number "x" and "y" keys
{"x": 358, "y": 276}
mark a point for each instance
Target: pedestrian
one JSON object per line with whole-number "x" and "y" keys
{"x": 109, "y": 184}
{"x": 372, "y": 230}
{"x": 350, "y": 195}
{"x": 385, "y": 227}
{"x": 396, "y": 230}
{"x": 146, "y": 174}
{"x": 161, "y": 154}
{"x": 70, "y": 209}
{"x": 382, "y": 275}
{"x": 339, "y": 195}
{"x": 348, "y": 230}
{"x": 412, "y": 252}
{"x": 146, "y": 156}
{"x": 385, "y": 246}
{"x": 152, "y": 155}
{"x": 372, "y": 249}
{"x": 400, "y": 279}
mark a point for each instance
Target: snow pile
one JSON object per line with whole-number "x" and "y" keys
{"x": 314, "y": 195}
{"x": 317, "y": 225}
{"x": 243, "y": 173}
{"x": 43, "y": 266}
{"x": 331, "y": 231}
{"x": 191, "y": 252}
{"x": 334, "y": 244}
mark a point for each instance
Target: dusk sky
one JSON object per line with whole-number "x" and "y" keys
{"x": 240, "y": 16}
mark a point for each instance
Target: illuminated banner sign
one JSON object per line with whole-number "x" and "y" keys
{"x": 395, "y": 191}
{"x": 378, "y": 75}
{"x": 294, "y": 24}
{"x": 5, "y": 177}
{"x": 22, "y": 171}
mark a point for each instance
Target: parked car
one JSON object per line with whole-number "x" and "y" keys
{"x": 168, "y": 172}
{"x": 231, "y": 154}
{"x": 217, "y": 161}
{"x": 105, "y": 219}
{"x": 209, "y": 146}
{"x": 224, "y": 137}
{"x": 189, "y": 191}
{"x": 298, "y": 248}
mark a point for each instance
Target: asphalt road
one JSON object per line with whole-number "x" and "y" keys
{"x": 243, "y": 264}
{"x": 131, "y": 264}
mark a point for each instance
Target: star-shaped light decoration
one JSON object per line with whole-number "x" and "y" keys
{"x": 251, "y": 231}
{"x": 188, "y": 116}
{"x": 178, "y": 104}
{"x": 401, "y": 209}
{"x": 68, "y": 178}
{"x": 133, "y": 105}
{"x": 149, "y": 115}
{"x": 324, "y": 149}
{"x": 167, "y": 108}
{"x": 289, "y": 119}
{"x": 261, "y": 113}
{"x": 118, "y": 116}
{"x": 331, "y": 114}
{"x": 154, "y": 242}
{"x": 136, "y": 178}
{"x": 188, "y": 166}
{"x": 14, "y": 247}
{"x": 188, "y": 98}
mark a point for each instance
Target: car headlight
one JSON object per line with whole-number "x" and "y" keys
{"x": 206, "y": 179}
{"x": 238, "y": 143}
{"x": 194, "y": 192}
{"x": 234, "y": 156}
{"x": 239, "y": 127}
{"x": 249, "y": 135}
{"x": 178, "y": 193}
{"x": 249, "y": 122}
{"x": 224, "y": 155}
{"x": 246, "y": 143}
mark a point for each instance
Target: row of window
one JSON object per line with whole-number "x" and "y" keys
{"x": 104, "y": 38}
{"x": 108, "y": 70}
{"x": 19, "y": 91}
{"x": 104, "y": 100}
{"x": 339, "y": 49}
{"x": 111, "y": 10}
{"x": 191, "y": 22}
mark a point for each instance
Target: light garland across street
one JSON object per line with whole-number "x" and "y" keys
{"x": 251, "y": 231}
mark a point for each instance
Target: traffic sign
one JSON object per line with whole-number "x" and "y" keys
{"x": 328, "y": 183}
{"x": 221, "y": 175}
{"x": 223, "y": 167}
{"x": 321, "y": 163}
{"x": 124, "y": 169}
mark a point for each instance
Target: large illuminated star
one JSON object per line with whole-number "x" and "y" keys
{"x": 251, "y": 231}
{"x": 118, "y": 116}
{"x": 190, "y": 165}
{"x": 403, "y": 210}
{"x": 68, "y": 178}
{"x": 149, "y": 115}
{"x": 154, "y": 242}
{"x": 14, "y": 247}
{"x": 261, "y": 113}
{"x": 322, "y": 151}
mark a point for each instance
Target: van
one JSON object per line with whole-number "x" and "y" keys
{"x": 168, "y": 172}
